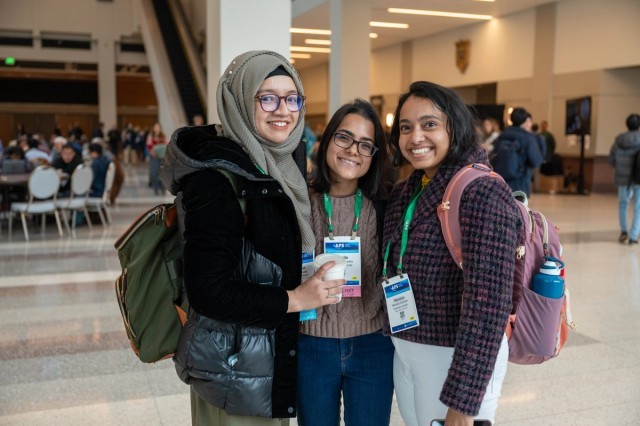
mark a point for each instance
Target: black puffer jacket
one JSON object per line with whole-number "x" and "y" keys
{"x": 239, "y": 348}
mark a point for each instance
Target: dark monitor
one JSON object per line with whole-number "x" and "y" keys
{"x": 578, "y": 119}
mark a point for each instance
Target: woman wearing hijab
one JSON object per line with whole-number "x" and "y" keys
{"x": 246, "y": 226}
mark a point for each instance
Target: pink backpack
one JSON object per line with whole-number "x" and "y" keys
{"x": 538, "y": 326}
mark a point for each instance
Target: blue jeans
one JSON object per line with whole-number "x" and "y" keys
{"x": 361, "y": 368}
{"x": 625, "y": 194}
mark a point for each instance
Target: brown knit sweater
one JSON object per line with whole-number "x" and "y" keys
{"x": 353, "y": 316}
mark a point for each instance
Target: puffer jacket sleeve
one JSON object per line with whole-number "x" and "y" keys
{"x": 213, "y": 235}
{"x": 489, "y": 223}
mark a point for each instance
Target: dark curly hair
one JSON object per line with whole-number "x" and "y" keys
{"x": 373, "y": 182}
{"x": 461, "y": 121}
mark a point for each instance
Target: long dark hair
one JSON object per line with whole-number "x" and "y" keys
{"x": 373, "y": 182}
{"x": 460, "y": 121}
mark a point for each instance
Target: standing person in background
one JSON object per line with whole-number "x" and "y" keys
{"x": 140, "y": 144}
{"x": 452, "y": 364}
{"x": 98, "y": 132}
{"x": 491, "y": 131}
{"x": 115, "y": 141}
{"x": 156, "y": 145}
{"x": 198, "y": 120}
{"x": 549, "y": 140}
{"x": 129, "y": 144}
{"x": 542, "y": 147}
{"x": 343, "y": 353}
{"x": 526, "y": 147}
{"x": 246, "y": 226}
{"x": 623, "y": 151}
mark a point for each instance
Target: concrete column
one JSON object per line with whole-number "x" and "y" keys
{"x": 107, "y": 105}
{"x": 234, "y": 27}
{"x": 350, "y": 52}
{"x": 542, "y": 81}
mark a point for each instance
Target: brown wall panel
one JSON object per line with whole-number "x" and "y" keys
{"x": 135, "y": 92}
{"x": 6, "y": 128}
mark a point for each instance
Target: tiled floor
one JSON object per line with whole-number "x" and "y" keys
{"x": 65, "y": 360}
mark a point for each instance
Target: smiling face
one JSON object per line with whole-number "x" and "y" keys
{"x": 423, "y": 140}
{"x": 346, "y": 165}
{"x": 276, "y": 126}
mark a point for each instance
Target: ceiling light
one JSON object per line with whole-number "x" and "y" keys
{"x": 300, "y": 55}
{"x": 388, "y": 24}
{"x": 316, "y": 41}
{"x": 389, "y": 119}
{"x": 309, "y": 31}
{"x": 438, "y": 13}
{"x": 373, "y": 35}
{"x": 310, "y": 49}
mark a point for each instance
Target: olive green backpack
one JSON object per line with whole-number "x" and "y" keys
{"x": 149, "y": 290}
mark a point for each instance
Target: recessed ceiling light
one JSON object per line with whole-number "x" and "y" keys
{"x": 310, "y": 49}
{"x": 309, "y": 31}
{"x": 388, "y": 24}
{"x": 300, "y": 55}
{"x": 439, "y": 13}
{"x": 316, "y": 41}
{"x": 373, "y": 35}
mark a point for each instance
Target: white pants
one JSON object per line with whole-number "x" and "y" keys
{"x": 419, "y": 372}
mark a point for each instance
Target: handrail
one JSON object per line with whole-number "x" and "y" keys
{"x": 189, "y": 46}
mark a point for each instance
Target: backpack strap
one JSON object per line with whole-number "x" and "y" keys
{"x": 449, "y": 209}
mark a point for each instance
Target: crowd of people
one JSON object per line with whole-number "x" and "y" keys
{"x": 129, "y": 146}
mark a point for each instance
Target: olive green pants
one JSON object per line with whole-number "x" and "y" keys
{"x": 205, "y": 414}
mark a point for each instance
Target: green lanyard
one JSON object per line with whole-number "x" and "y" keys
{"x": 408, "y": 216}
{"x": 357, "y": 209}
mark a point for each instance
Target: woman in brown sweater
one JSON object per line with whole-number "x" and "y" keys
{"x": 343, "y": 351}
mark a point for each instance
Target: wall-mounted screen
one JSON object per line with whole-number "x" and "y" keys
{"x": 578, "y": 118}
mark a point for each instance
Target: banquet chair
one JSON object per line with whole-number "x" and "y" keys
{"x": 43, "y": 185}
{"x": 81, "y": 179}
{"x": 102, "y": 204}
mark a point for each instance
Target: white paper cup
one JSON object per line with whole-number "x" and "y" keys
{"x": 336, "y": 272}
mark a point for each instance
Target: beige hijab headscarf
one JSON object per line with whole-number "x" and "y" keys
{"x": 236, "y": 106}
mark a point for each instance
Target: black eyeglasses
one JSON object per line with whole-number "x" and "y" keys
{"x": 270, "y": 103}
{"x": 345, "y": 141}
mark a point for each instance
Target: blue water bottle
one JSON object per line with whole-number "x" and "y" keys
{"x": 548, "y": 282}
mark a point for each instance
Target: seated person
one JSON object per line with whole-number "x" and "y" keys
{"x": 34, "y": 155}
{"x": 57, "y": 144}
{"x": 15, "y": 153}
{"x": 67, "y": 162}
{"x": 99, "y": 165}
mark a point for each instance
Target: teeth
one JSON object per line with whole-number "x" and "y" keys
{"x": 353, "y": 163}
{"x": 422, "y": 150}
{"x": 279, "y": 123}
